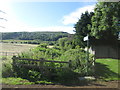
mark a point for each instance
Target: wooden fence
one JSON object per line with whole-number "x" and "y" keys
{"x": 39, "y": 64}
{"x": 35, "y": 63}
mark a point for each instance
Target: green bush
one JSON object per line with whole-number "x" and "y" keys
{"x": 43, "y": 45}
{"x": 43, "y": 82}
{"x": 68, "y": 71}
{"x": 4, "y": 58}
{"x": 7, "y": 70}
{"x": 16, "y": 81}
{"x": 78, "y": 60}
{"x": 38, "y": 52}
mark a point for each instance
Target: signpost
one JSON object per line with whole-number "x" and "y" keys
{"x": 119, "y": 23}
{"x": 87, "y": 54}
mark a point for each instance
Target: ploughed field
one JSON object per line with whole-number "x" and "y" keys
{"x": 8, "y": 49}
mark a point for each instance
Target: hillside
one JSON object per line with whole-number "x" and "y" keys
{"x": 43, "y": 36}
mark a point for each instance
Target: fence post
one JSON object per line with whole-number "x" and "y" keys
{"x": 41, "y": 62}
{"x": 6, "y": 54}
{"x": 14, "y": 60}
{"x": 70, "y": 64}
{"x": 41, "y": 65}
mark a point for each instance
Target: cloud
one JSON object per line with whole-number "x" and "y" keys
{"x": 13, "y": 25}
{"x": 16, "y": 26}
{"x": 20, "y": 28}
{"x": 73, "y": 17}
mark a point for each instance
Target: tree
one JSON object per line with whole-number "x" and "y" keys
{"x": 81, "y": 27}
{"x": 105, "y": 20}
{"x": 2, "y": 18}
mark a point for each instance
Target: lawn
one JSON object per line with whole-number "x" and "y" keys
{"x": 107, "y": 69}
{"x": 16, "y": 81}
{"x": 20, "y": 81}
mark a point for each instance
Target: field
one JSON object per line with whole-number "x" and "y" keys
{"x": 8, "y": 49}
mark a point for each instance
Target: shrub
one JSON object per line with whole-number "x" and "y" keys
{"x": 7, "y": 70}
{"x": 78, "y": 60}
{"x": 43, "y": 45}
{"x": 4, "y": 58}
{"x": 43, "y": 82}
{"x": 77, "y": 57}
{"x": 38, "y": 52}
{"x": 16, "y": 81}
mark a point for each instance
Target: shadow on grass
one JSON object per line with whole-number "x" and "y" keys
{"x": 102, "y": 71}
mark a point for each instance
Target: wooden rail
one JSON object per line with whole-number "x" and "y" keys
{"x": 41, "y": 60}
{"x": 33, "y": 63}
{"x": 39, "y": 64}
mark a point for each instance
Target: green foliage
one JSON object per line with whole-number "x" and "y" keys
{"x": 66, "y": 43}
{"x": 43, "y": 36}
{"x": 16, "y": 81}
{"x": 68, "y": 71}
{"x": 44, "y": 82}
{"x": 34, "y": 75}
{"x": 3, "y": 58}
{"x": 7, "y": 70}
{"x": 102, "y": 24}
{"x": 82, "y": 28}
{"x": 78, "y": 58}
{"x": 105, "y": 20}
{"x": 28, "y": 41}
{"x": 38, "y": 52}
{"x": 43, "y": 45}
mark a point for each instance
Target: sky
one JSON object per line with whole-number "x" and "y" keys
{"x": 42, "y": 16}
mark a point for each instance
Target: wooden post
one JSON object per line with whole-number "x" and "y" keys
{"x": 41, "y": 64}
{"x": 14, "y": 60}
{"x": 6, "y": 54}
{"x": 70, "y": 64}
{"x": 41, "y": 61}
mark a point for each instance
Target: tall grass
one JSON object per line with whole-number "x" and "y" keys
{"x": 7, "y": 70}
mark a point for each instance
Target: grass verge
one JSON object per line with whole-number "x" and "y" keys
{"x": 20, "y": 81}
{"x": 107, "y": 69}
{"x": 16, "y": 81}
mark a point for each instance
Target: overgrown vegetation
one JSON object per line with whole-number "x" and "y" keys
{"x": 7, "y": 70}
{"x": 77, "y": 68}
{"x": 16, "y": 81}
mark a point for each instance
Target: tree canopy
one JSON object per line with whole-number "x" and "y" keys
{"x": 100, "y": 25}
{"x": 43, "y": 36}
{"x": 105, "y": 20}
{"x": 81, "y": 27}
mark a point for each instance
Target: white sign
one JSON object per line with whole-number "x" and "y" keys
{"x": 85, "y": 38}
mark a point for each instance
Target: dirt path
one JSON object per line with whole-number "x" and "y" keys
{"x": 97, "y": 84}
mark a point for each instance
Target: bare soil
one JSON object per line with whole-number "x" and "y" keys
{"x": 94, "y": 84}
